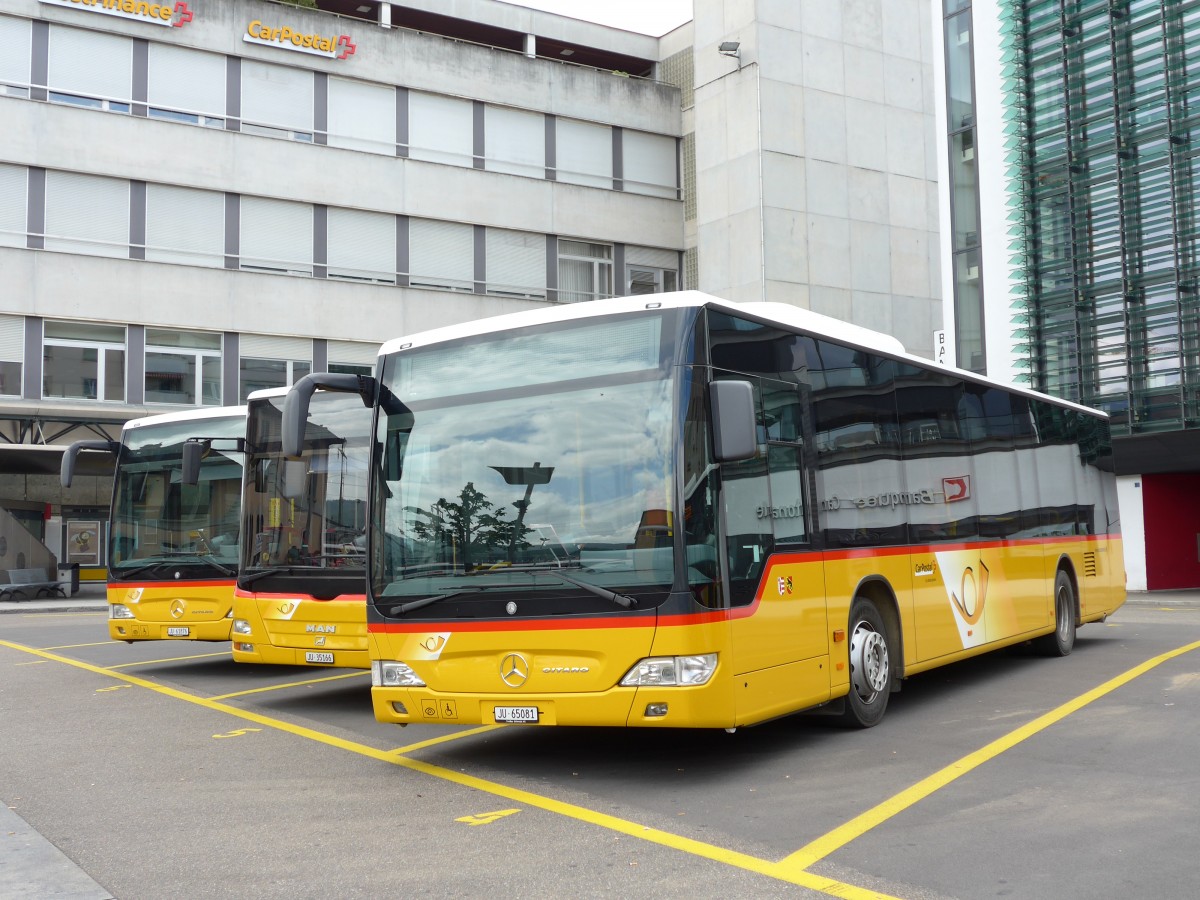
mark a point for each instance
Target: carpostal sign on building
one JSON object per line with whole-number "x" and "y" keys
{"x": 331, "y": 46}
{"x": 173, "y": 13}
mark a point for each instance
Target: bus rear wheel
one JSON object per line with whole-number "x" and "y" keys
{"x": 870, "y": 666}
{"x": 1062, "y": 640}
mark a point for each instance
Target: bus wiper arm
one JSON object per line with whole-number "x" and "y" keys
{"x": 422, "y": 602}
{"x": 247, "y": 580}
{"x": 622, "y": 600}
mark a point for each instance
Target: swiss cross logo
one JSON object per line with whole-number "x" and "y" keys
{"x": 957, "y": 488}
{"x": 185, "y": 14}
{"x": 350, "y": 47}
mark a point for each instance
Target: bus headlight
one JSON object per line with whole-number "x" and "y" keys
{"x": 241, "y": 626}
{"x": 119, "y": 611}
{"x": 662, "y": 671}
{"x": 393, "y": 674}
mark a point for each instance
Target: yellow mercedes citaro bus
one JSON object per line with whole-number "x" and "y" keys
{"x": 173, "y": 547}
{"x": 301, "y": 593}
{"x": 677, "y": 511}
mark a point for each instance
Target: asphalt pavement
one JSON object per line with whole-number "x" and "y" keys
{"x": 31, "y": 866}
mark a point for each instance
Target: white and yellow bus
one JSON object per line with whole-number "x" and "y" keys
{"x": 173, "y": 546}
{"x": 301, "y": 594}
{"x": 677, "y": 511}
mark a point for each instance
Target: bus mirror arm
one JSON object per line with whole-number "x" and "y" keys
{"x": 66, "y": 473}
{"x": 735, "y": 429}
{"x": 295, "y": 407}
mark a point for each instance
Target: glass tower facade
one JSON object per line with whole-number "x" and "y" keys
{"x": 1104, "y": 135}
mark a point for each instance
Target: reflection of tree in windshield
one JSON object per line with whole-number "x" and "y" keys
{"x": 471, "y": 531}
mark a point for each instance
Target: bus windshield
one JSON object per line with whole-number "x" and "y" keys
{"x": 307, "y": 515}
{"x": 158, "y": 521}
{"x": 534, "y": 464}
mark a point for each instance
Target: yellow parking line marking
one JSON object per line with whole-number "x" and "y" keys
{"x": 290, "y": 684}
{"x": 73, "y": 646}
{"x": 150, "y": 662}
{"x": 421, "y": 745}
{"x": 817, "y": 850}
{"x": 524, "y": 798}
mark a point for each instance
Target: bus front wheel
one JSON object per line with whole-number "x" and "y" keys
{"x": 1061, "y": 641}
{"x": 870, "y": 666}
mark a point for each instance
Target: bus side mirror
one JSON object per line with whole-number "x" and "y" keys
{"x": 193, "y": 452}
{"x": 260, "y": 476}
{"x": 735, "y": 428}
{"x": 295, "y": 478}
{"x": 66, "y": 472}
{"x": 295, "y": 405}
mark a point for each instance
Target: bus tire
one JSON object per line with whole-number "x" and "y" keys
{"x": 1061, "y": 641}
{"x": 870, "y": 666}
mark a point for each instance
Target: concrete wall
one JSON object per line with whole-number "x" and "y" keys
{"x": 816, "y": 160}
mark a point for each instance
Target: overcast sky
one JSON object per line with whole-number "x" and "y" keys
{"x": 655, "y": 17}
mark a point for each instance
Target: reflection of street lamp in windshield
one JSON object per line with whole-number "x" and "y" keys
{"x": 528, "y": 476}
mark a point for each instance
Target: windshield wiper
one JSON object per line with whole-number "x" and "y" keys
{"x": 144, "y": 567}
{"x": 422, "y": 602}
{"x": 246, "y": 580}
{"x": 220, "y": 567}
{"x": 622, "y": 600}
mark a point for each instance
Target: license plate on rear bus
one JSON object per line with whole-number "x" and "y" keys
{"x": 318, "y": 657}
{"x": 521, "y": 715}
{"x": 177, "y": 631}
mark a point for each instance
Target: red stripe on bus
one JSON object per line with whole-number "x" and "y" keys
{"x": 169, "y": 584}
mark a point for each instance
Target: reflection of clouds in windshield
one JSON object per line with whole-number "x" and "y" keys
{"x": 608, "y": 448}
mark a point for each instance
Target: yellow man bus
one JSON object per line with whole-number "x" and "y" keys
{"x": 301, "y": 594}
{"x": 172, "y": 546}
{"x": 679, "y": 511}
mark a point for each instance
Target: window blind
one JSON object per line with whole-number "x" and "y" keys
{"x": 185, "y": 226}
{"x": 16, "y": 39}
{"x": 515, "y": 141}
{"x": 362, "y": 116}
{"x": 584, "y": 153}
{"x": 270, "y": 346}
{"x": 277, "y": 236}
{"x": 354, "y": 353}
{"x": 90, "y": 64}
{"x": 441, "y": 129}
{"x": 516, "y": 263}
{"x": 362, "y": 245}
{"x": 648, "y": 256}
{"x": 442, "y": 254}
{"x": 649, "y": 163}
{"x": 186, "y": 80}
{"x": 277, "y": 96}
{"x": 12, "y": 339}
{"x": 13, "y": 189}
{"x": 87, "y": 214}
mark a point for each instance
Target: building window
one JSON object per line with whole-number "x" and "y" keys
{"x": 650, "y": 271}
{"x": 362, "y": 116}
{"x": 87, "y": 68}
{"x": 277, "y": 101}
{"x": 13, "y": 192}
{"x": 584, "y": 153}
{"x": 277, "y": 236}
{"x": 184, "y": 225}
{"x": 649, "y": 164}
{"x": 515, "y": 141}
{"x": 186, "y": 85}
{"x": 183, "y": 367}
{"x": 272, "y": 362}
{"x": 441, "y": 255}
{"x": 585, "y": 271}
{"x": 362, "y": 246}
{"x": 352, "y": 357}
{"x": 516, "y": 263}
{"x": 16, "y": 39}
{"x": 12, "y": 354}
{"x": 87, "y": 214}
{"x": 441, "y": 129}
{"x": 83, "y": 361}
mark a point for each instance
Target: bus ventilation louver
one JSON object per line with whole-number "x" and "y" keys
{"x": 1089, "y": 564}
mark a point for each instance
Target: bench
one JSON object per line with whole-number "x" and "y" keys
{"x": 26, "y": 583}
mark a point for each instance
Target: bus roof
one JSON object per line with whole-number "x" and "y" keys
{"x": 796, "y": 317}
{"x": 188, "y": 415}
